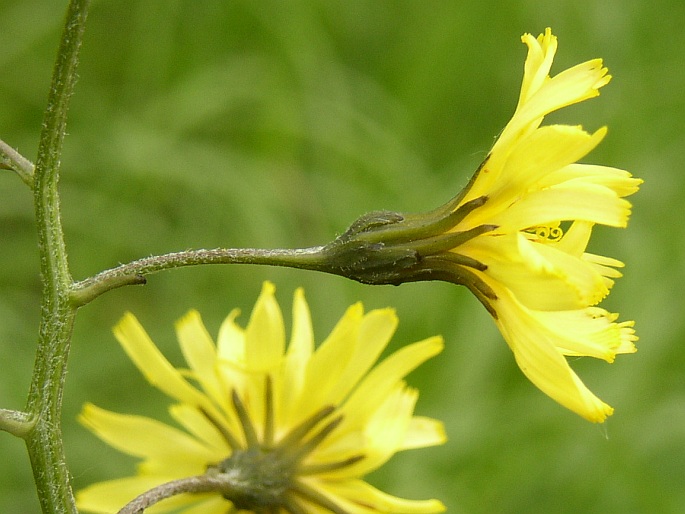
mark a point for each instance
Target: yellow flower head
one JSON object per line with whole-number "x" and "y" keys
{"x": 531, "y": 268}
{"x": 267, "y": 428}
{"x": 517, "y": 235}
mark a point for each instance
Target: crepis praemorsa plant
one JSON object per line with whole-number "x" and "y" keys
{"x": 516, "y": 236}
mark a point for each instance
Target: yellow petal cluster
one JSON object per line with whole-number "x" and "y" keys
{"x": 251, "y": 393}
{"x": 535, "y": 274}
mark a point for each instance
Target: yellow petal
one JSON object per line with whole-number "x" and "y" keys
{"x": 383, "y": 379}
{"x": 546, "y": 150}
{"x": 200, "y": 427}
{"x": 265, "y": 333}
{"x": 571, "y": 86}
{"x": 576, "y": 238}
{"x": 583, "y": 276}
{"x": 302, "y": 336}
{"x": 590, "y": 332}
{"x": 110, "y": 496}
{"x": 539, "y": 275}
{"x": 423, "y": 432}
{"x": 231, "y": 340}
{"x": 607, "y": 265}
{"x": 360, "y": 495}
{"x": 200, "y": 353}
{"x": 536, "y": 353}
{"x": 538, "y": 63}
{"x": 328, "y": 362}
{"x": 619, "y": 181}
{"x": 628, "y": 338}
{"x": 381, "y": 436}
{"x": 374, "y": 333}
{"x": 146, "y": 438}
{"x": 296, "y": 361}
{"x": 582, "y": 201}
{"x": 153, "y": 365}
{"x": 387, "y": 429}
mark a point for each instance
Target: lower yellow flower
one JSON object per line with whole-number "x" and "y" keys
{"x": 267, "y": 428}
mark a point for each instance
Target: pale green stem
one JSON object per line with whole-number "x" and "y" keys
{"x": 15, "y": 422}
{"x": 11, "y": 159}
{"x": 44, "y": 405}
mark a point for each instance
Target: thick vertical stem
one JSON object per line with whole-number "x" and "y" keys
{"x": 44, "y": 404}
{"x": 44, "y": 442}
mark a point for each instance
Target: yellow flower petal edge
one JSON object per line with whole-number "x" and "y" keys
{"x": 539, "y": 343}
{"x": 311, "y": 421}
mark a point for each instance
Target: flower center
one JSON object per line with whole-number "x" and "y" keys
{"x": 262, "y": 474}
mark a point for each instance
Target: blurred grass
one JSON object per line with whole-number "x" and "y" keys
{"x": 202, "y": 124}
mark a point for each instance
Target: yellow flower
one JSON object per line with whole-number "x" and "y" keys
{"x": 280, "y": 429}
{"x": 532, "y": 207}
{"x": 517, "y": 235}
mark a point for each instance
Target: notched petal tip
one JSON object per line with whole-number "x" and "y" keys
{"x": 600, "y": 414}
{"x": 268, "y": 288}
{"x": 188, "y": 319}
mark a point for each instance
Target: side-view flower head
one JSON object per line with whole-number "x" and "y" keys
{"x": 517, "y": 235}
{"x": 531, "y": 269}
{"x": 267, "y": 427}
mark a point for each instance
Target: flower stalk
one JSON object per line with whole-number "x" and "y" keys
{"x": 134, "y": 273}
{"x": 194, "y": 484}
{"x": 379, "y": 248}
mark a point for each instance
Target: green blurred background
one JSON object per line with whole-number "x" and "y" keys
{"x": 275, "y": 124}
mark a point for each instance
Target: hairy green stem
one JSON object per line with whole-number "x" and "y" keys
{"x": 379, "y": 248}
{"x": 44, "y": 405}
{"x": 194, "y": 484}
{"x": 134, "y": 272}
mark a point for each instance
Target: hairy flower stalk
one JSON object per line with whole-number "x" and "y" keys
{"x": 268, "y": 428}
{"x": 517, "y": 235}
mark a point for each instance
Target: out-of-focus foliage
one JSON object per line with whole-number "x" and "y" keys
{"x": 275, "y": 124}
